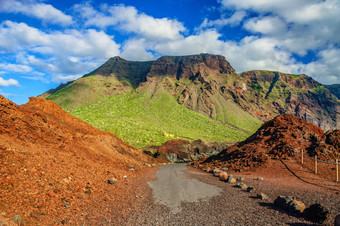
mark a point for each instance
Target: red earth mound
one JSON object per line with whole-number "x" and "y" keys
{"x": 178, "y": 150}
{"x": 53, "y": 164}
{"x": 279, "y": 138}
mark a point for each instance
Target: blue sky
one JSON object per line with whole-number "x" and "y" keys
{"x": 45, "y": 43}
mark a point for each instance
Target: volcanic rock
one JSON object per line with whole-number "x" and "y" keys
{"x": 318, "y": 214}
{"x": 262, "y": 196}
{"x": 279, "y": 138}
{"x": 251, "y": 189}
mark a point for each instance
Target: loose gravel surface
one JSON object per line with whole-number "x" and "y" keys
{"x": 174, "y": 187}
{"x": 236, "y": 207}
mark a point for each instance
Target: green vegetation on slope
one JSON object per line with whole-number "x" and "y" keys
{"x": 138, "y": 119}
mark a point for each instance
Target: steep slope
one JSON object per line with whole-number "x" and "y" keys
{"x": 266, "y": 94}
{"x": 164, "y": 96}
{"x": 49, "y": 158}
{"x": 279, "y": 138}
{"x": 335, "y": 89}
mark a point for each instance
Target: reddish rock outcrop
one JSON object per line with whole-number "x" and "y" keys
{"x": 279, "y": 138}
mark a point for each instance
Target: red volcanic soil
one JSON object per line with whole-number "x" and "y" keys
{"x": 55, "y": 166}
{"x": 280, "y": 138}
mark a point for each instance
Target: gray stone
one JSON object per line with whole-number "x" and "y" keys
{"x": 240, "y": 179}
{"x": 111, "y": 181}
{"x": 243, "y": 186}
{"x": 251, "y": 189}
{"x": 216, "y": 172}
{"x": 231, "y": 180}
{"x": 18, "y": 219}
{"x": 260, "y": 178}
{"x": 282, "y": 201}
{"x": 318, "y": 214}
{"x": 172, "y": 157}
{"x": 262, "y": 196}
{"x": 296, "y": 207}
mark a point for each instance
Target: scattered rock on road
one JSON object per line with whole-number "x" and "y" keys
{"x": 318, "y": 214}
{"x": 290, "y": 204}
{"x": 262, "y": 196}
{"x": 216, "y": 172}
{"x": 240, "y": 179}
{"x": 111, "y": 181}
{"x": 251, "y": 189}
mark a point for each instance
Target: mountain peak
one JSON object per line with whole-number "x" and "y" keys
{"x": 190, "y": 66}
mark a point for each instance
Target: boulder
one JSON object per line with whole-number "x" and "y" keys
{"x": 111, "y": 180}
{"x": 318, "y": 214}
{"x": 216, "y": 172}
{"x": 240, "y": 179}
{"x": 262, "y": 196}
{"x": 208, "y": 169}
{"x": 231, "y": 180}
{"x": 282, "y": 201}
{"x": 251, "y": 189}
{"x": 223, "y": 174}
{"x": 243, "y": 186}
{"x": 296, "y": 207}
{"x": 260, "y": 178}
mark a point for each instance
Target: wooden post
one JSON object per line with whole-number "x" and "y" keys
{"x": 302, "y": 157}
{"x": 316, "y": 165}
{"x": 337, "y": 170}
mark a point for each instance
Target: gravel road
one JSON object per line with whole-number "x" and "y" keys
{"x": 174, "y": 186}
{"x": 223, "y": 205}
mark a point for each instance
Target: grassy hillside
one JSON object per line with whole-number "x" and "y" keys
{"x": 138, "y": 119}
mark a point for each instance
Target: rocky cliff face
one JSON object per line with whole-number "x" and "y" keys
{"x": 266, "y": 94}
{"x": 209, "y": 85}
{"x": 335, "y": 89}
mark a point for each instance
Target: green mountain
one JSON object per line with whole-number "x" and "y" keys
{"x": 190, "y": 97}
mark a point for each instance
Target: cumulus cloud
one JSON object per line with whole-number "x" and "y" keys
{"x": 205, "y": 41}
{"x": 128, "y": 19}
{"x": 59, "y": 49}
{"x": 136, "y": 49}
{"x": 327, "y": 67}
{"x": 9, "y": 82}
{"x": 45, "y": 12}
{"x": 268, "y": 25}
{"x": 234, "y": 20}
{"x": 15, "y": 68}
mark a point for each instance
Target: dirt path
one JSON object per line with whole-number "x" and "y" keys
{"x": 232, "y": 206}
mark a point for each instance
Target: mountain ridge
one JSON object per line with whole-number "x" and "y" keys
{"x": 204, "y": 83}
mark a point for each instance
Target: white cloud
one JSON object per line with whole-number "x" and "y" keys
{"x": 9, "y": 82}
{"x": 42, "y": 11}
{"x": 127, "y": 18}
{"x": 267, "y": 25}
{"x": 58, "y": 49}
{"x": 326, "y": 69}
{"x": 234, "y": 20}
{"x": 15, "y": 36}
{"x": 66, "y": 78}
{"x": 204, "y": 42}
{"x": 136, "y": 49}
{"x": 15, "y": 67}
